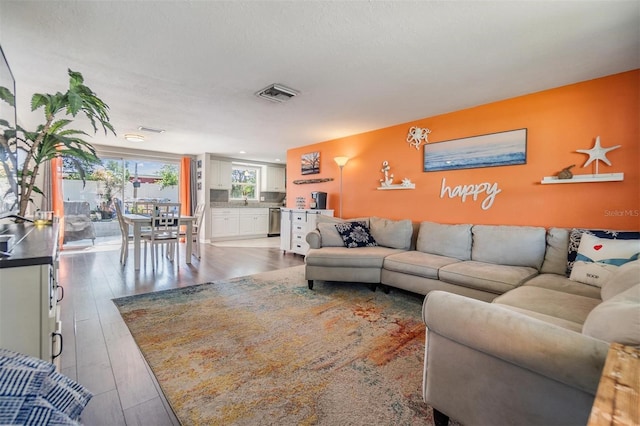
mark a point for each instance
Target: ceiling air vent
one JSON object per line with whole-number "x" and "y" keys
{"x": 150, "y": 130}
{"x": 277, "y": 93}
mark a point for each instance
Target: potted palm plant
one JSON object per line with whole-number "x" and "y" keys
{"x": 54, "y": 138}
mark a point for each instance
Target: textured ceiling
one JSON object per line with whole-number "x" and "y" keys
{"x": 192, "y": 68}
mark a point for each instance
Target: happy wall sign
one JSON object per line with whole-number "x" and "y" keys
{"x": 486, "y": 191}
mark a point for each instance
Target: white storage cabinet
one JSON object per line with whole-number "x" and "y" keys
{"x": 29, "y": 311}
{"x": 295, "y": 225}
{"x": 238, "y": 222}
{"x": 224, "y": 223}
{"x": 253, "y": 221}
{"x": 220, "y": 174}
{"x": 275, "y": 181}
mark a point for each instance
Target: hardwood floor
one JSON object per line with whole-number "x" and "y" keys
{"x": 99, "y": 351}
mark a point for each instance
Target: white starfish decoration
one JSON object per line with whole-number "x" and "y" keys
{"x": 597, "y": 153}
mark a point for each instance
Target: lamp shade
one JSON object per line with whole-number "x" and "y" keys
{"x": 341, "y": 161}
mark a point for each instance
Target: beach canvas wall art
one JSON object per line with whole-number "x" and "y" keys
{"x": 495, "y": 149}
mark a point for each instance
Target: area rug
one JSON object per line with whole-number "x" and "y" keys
{"x": 264, "y": 349}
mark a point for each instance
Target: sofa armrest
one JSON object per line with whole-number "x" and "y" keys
{"x": 314, "y": 239}
{"x": 546, "y": 349}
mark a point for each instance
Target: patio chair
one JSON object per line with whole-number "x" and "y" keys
{"x": 77, "y": 222}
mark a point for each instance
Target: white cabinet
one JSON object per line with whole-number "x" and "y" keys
{"x": 220, "y": 174}
{"x": 254, "y": 221}
{"x": 285, "y": 229}
{"x": 275, "y": 181}
{"x": 224, "y": 223}
{"x": 296, "y": 224}
{"x": 29, "y": 312}
{"x": 239, "y": 222}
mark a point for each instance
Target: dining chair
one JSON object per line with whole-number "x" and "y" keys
{"x": 124, "y": 231}
{"x": 199, "y": 215}
{"x": 165, "y": 231}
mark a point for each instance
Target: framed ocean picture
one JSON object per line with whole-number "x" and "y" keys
{"x": 495, "y": 149}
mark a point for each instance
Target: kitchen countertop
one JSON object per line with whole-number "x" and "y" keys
{"x": 241, "y": 205}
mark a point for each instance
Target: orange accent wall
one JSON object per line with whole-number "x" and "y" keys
{"x": 558, "y": 122}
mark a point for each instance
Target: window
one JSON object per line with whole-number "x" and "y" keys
{"x": 245, "y": 182}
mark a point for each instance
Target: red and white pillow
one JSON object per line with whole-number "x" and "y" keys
{"x": 598, "y": 258}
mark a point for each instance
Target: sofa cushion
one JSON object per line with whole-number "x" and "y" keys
{"x": 621, "y": 280}
{"x": 598, "y": 258}
{"x": 509, "y": 245}
{"x": 364, "y": 257}
{"x": 445, "y": 240}
{"x": 570, "y": 307}
{"x": 321, "y": 218}
{"x": 555, "y": 256}
{"x": 561, "y": 283}
{"x": 391, "y": 233}
{"x": 355, "y": 234}
{"x": 486, "y": 276}
{"x": 569, "y": 325}
{"x": 576, "y": 235}
{"x": 417, "y": 263}
{"x": 617, "y": 319}
{"x": 329, "y": 236}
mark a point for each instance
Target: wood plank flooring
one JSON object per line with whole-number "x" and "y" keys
{"x": 99, "y": 351}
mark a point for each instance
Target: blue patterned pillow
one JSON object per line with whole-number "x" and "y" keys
{"x": 33, "y": 393}
{"x": 355, "y": 234}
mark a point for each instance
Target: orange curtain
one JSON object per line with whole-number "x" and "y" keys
{"x": 57, "y": 198}
{"x": 185, "y": 186}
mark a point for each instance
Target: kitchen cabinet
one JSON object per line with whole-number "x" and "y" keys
{"x": 30, "y": 292}
{"x": 253, "y": 221}
{"x": 275, "y": 181}
{"x": 239, "y": 222}
{"x": 224, "y": 223}
{"x": 220, "y": 174}
{"x": 295, "y": 225}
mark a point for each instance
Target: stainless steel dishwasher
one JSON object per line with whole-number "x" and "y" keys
{"x": 274, "y": 221}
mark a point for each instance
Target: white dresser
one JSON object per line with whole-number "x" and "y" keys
{"x": 295, "y": 224}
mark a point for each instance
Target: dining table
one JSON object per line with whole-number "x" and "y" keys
{"x": 139, "y": 221}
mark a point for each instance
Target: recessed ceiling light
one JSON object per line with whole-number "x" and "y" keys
{"x": 277, "y": 159}
{"x": 243, "y": 152}
{"x": 132, "y": 137}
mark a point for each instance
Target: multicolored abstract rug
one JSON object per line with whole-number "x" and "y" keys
{"x": 264, "y": 349}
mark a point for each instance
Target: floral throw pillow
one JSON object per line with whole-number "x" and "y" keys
{"x": 355, "y": 234}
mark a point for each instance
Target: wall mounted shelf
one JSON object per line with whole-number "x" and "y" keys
{"x": 413, "y": 186}
{"x": 604, "y": 177}
{"x": 305, "y": 181}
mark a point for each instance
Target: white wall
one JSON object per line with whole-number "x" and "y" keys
{"x": 73, "y": 191}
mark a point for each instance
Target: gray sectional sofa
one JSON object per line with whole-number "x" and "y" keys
{"x": 532, "y": 356}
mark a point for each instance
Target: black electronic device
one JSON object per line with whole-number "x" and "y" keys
{"x": 318, "y": 200}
